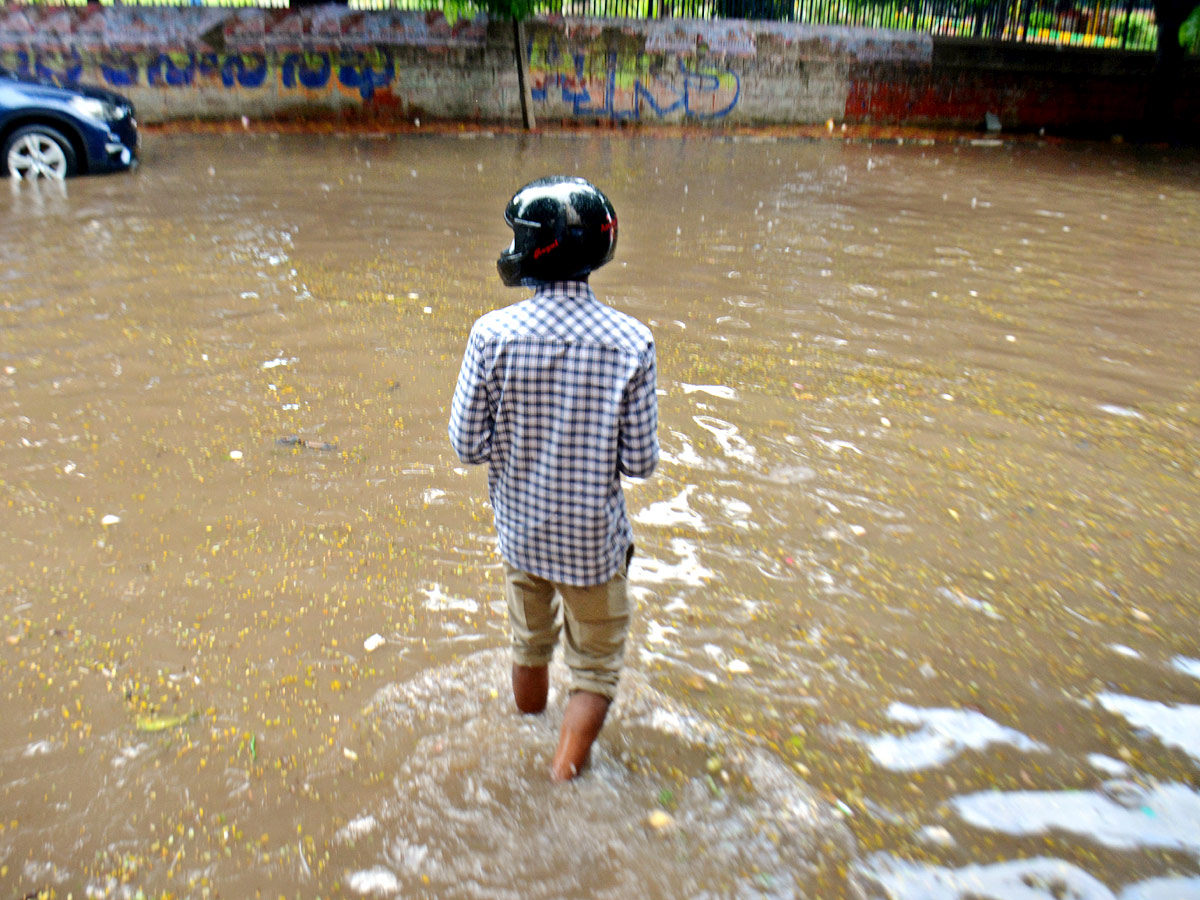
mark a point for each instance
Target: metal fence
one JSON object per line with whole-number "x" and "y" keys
{"x": 1111, "y": 24}
{"x": 1116, "y": 24}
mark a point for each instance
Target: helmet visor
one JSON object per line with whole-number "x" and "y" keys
{"x": 509, "y": 266}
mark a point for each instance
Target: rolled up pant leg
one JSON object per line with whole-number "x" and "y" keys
{"x": 597, "y": 622}
{"x": 532, "y": 611}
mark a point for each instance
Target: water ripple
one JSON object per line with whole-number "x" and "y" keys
{"x": 470, "y": 802}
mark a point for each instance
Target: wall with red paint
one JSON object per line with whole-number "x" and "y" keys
{"x": 1027, "y": 87}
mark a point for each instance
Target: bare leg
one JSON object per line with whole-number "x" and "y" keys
{"x": 582, "y": 721}
{"x": 530, "y": 686}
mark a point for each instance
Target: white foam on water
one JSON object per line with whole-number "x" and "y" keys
{"x": 377, "y": 880}
{"x": 672, "y": 513}
{"x": 726, "y": 433}
{"x": 716, "y": 390}
{"x": 1123, "y": 411}
{"x": 687, "y": 572}
{"x": 792, "y": 474}
{"x": 437, "y": 600}
{"x": 1123, "y": 650}
{"x": 687, "y": 455}
{"x": 357, "y": 828}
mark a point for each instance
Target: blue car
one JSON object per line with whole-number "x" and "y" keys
{"x": 47, "y": 131}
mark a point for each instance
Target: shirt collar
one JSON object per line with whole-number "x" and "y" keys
{"x": 565, "y": 292}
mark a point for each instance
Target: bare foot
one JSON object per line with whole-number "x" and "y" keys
{"x": 582, "y": 721}
{"x": 530, "y": 687}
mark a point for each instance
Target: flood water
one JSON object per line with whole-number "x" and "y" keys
{"x": 917, "y": 581}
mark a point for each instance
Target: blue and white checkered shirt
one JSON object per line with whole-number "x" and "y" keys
{"x": 557, "y": 395}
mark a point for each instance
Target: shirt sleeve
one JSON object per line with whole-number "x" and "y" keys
{"x": 471, "y": 419}
{"x": 637, "y": 445}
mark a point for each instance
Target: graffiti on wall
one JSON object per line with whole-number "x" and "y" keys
{"x": 355, "y": 71}
{"x": 668, "y": 69}
{"x": 351, "y": 71}
{"x": 316, "y": 49}
{"x": 610, "y": 84}
{"x": 58, "y": 66}
{"x": 591, "y": 82}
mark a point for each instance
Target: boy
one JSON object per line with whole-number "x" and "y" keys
{"x": 557, "y": 395}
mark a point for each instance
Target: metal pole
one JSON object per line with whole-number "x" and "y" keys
{"x": 523, "y": 75}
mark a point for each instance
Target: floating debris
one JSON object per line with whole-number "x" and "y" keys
{"x": 164, "y": 723}
{"x": 660, "y": 820}
{"x": 293, "y": 440}
{"x": 373, "y": 643}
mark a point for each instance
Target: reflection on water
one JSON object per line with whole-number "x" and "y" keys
{"x": 916, "y": 583}
{"x": 1188, "y": 666}
{"x": 1028, "y": 879}
{"x": 941, "y": 735}
{"x": 1124, "y": 815}
{"x": 1176, "y": 725}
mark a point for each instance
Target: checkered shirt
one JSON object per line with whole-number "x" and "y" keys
{"x": 557, "y": 395}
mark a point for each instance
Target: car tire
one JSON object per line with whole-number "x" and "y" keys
{"x": 39, "y": 151}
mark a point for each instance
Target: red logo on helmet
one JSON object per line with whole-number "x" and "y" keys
{"x": 610, "y": 225}
{"x": 539, "y": 252}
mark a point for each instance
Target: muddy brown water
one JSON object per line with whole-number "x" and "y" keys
{"x": 917, "y": 580}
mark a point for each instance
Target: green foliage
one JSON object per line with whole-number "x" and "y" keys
{"x": 454, "y": 10}
{"x": 753, "y": 9}
{"x": 508, "y": 9}
{"x": 1138, "y": 30}
{"x": 1189, "y": 33}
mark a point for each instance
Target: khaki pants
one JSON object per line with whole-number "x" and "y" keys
{"x": 596, "y": 619}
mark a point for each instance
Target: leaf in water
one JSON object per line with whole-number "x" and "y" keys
{"x": 163, "y": 723}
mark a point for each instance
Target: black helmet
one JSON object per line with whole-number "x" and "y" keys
{"x": 563, "y": 228}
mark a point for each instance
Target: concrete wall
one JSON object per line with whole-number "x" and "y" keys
{"x": 1075, "y": 90}
{"x": 194, "y": 62}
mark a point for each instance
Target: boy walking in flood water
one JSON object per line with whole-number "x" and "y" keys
{"x": 557, "y": 395}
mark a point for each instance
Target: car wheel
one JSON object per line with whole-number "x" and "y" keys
{"x": 39, "y": 151}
